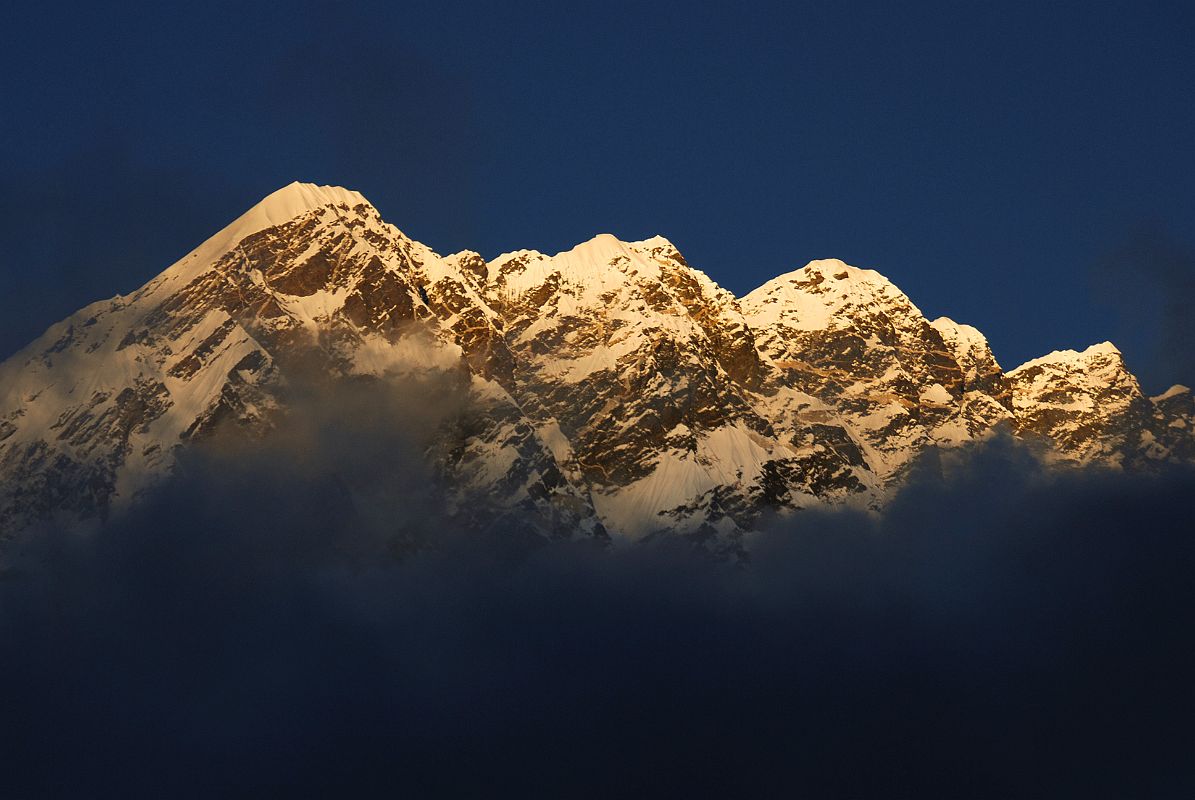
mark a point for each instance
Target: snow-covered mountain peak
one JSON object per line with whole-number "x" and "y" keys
{"x": 463, "y": 256}
{"x": 1103, "y": 352}
{"x": 824, "y": 269}
{"x": 276, "y": 209}
{"x": 471, "y": 266}
{"x": 1087, "y": 402}
{"x": 600, "y": 249}
{"x": 604, "y": 248}
{"x": 281, "y": 206}
{"x": 825, "y": 293}
{"x": 611, "y": 384}
{"x": 831, "y": 274}
{"x": 594, "y": 271}
{"x": 968, "y": 344}
{"x": 599, "y": 242}
{"x": 851, "y": 338}
{"x": 840, "y": 270}
{"x": 596, "y": 254}
{"x": 958, "y": 331}
{"x": 654, "y": 242}
{"x": 296, "y": 198}
{"x": 1174, "y": 391}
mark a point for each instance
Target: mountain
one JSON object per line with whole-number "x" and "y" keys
{"x": 609, "y": 389}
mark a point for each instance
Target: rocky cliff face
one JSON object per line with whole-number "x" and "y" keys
{"x": 1090, "y": 408}
{"x": 608, "y": 389}
{"x": 856, "y": 343}
{"x": 310, "y": 281}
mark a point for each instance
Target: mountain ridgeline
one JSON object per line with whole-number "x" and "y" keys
{"x": 608, "y": 391}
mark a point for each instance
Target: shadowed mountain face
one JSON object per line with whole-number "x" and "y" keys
{"x": 610, "y": 389}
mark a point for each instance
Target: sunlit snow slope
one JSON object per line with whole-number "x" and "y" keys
{"x": 608, "y": 390}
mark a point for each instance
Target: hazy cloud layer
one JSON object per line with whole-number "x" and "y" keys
{"x": 253, "y": 629}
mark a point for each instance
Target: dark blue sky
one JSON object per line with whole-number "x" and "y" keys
{"x": 1024, "y": 167}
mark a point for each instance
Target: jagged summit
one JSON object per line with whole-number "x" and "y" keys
{"x": 595, "y": 251}
{"x": 296, "y": 197}
{"x": 275, "y": 209}
{"x": 835, "y": 267}
{"x": 280, "y": 207}
{"x": 811, "y": 297}
{"x": 1086, "y": 400}
{"x": 654, "y": 242}
{"x": 596, "y": 254}
{"x": 959, "y": 330}
{"x": 609, "y": 388}
{"x": 1100, "y": 349}
{"x": 822, "y": 269}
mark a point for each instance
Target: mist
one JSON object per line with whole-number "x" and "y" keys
{"x": 296, "y": 614}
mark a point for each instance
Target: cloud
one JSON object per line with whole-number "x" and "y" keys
{"x": 258, "y": 627}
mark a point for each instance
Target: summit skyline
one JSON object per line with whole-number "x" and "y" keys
{"x": 984, "y": 157}
{"x": 612, "y": 390}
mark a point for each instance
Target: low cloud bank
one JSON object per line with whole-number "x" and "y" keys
{"x": 254, "y": 628}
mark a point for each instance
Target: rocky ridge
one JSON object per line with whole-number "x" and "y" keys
{"x": 609, "y": 389}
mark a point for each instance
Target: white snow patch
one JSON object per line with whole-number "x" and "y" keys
{"x": 936, "y": 393}
{"x": 727, "y": 456}
{"x": 551, "y": 435}
{"x": 1173, "y": 391}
